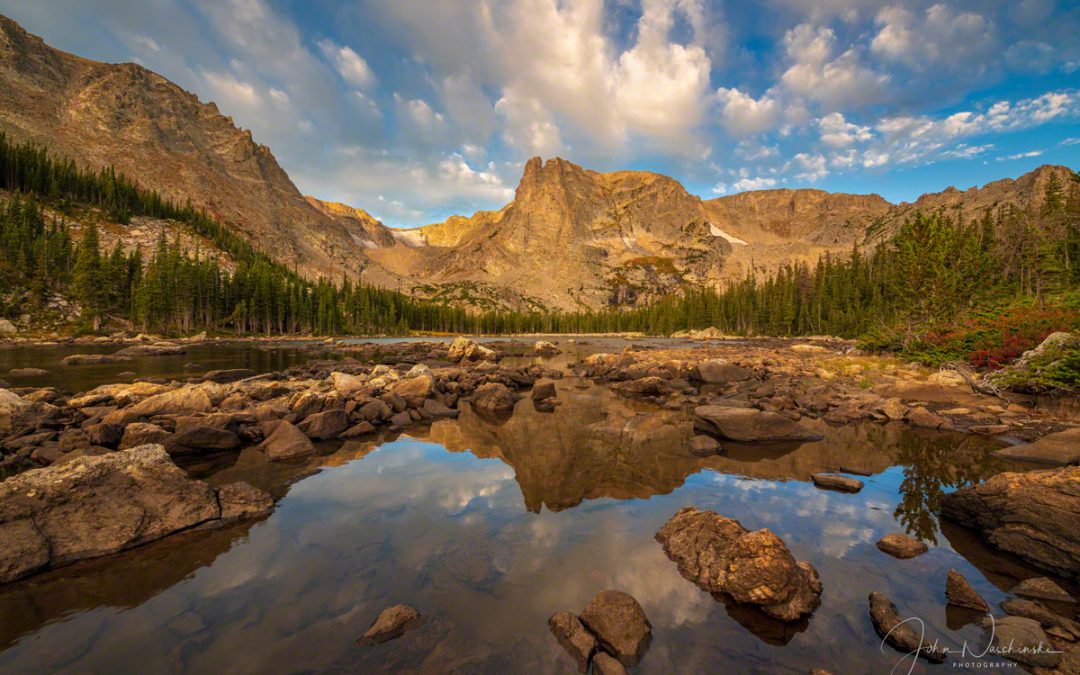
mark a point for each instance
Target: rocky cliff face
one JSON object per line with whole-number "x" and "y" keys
{"x": 152, "y": 130}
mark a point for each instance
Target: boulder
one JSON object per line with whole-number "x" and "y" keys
{"x": 495, "y": 398}
{"x": 11, "y": 404}
{"x": 201, "y": 438}
{"x": 392, "y": 623}
{"x": 809, "y": 349}
{"x": 1022, "y": 640}
{"x": 1060, "y": 449}
{"x": 704, "y": 446}
{"x": 1045, "y": 617}
{"x": 96, "y": 505}
{"x": 1034, "y": 515}
{"x": 141, "y": 433}
{"x": 831, "y": 481}
{"x": 901, "y": 546}
{"x": 750, "y": 425}
{"x": 156, "y": 349}
{"x": 414, "y": 389}
{"x": 7, "y": 328}
{"x": 1041, "y": 588}
{"x": 436, "y": 408}
{"x": 578, "y": 642}
{"x": 960, "y": 593}
{"x": 346, "y": 384}
{"x": 241, "y": 501}
{"x": 900, "y": 635}
{"x": 619, "y": 624}
{"x": 719, "y": 371}
{"x": 464, "y": 349}
{"x": 182, "y": 401}
{"x": 544, "y": 389}
{"x": 27, "y": 372}
{"x": 360, "y": 429}
{"x": 545, "y": 348}
{"x": 325, "y": 425}
{"x": 921, "y": 417}
{"x": 721, "y": 556}
{"x": 286, "y": 442}
{"x": 606, "y": 664}
{"x": 89, "y": 359}
{"x": 228, "y": 375}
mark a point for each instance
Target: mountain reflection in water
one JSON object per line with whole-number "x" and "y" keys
{"x": 489, "y": 528}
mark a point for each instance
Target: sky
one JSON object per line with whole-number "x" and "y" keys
{"x": 420, "y": 109}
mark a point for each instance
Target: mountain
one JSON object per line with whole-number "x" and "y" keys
{"x": 124, "y": 115}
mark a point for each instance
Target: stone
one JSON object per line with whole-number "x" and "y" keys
{"x": 346, "y": 384}
{"x": 104, "y": 434}
{"x": 921, "y": 417}
{"x": 464, "y": 349}
{"x": 392, "y": 623}
{"x": 156, "y": 349}
{"x": 1045, "y": 617}
{"x": 185, "y": 400}
{"x": 719, "y": 371}
{"x": 892, "y": 409}
{"x": 375, "y": 411}
{"x": 960, "y": 593}
{"x": 606, "y": 664}
{"x": 96, "y": 505}
{"x": 901, "y": 636}
{"x": 809, "y": 349}
{"x": 1041, "y": 588}
{"x": 27, "y": 372}
{"x": 436, "y": 408}
{"x": 400, "y": 420}
{"x": 196, "y": 438}
{"x": 750, "y": 425}
{"x": 241, "y": 501}
{"x": 619, "y": 624}
{"x": 831, "y": 481}
{"x": 1034, "y": 515}
{"x": 494, "y": 397}
{"x": 415, "y": 390}
{"x": 545, "y": 348}
{"x": 721, "y": 556}
{"x": 704, "y": 446}
{"x": 90, "y": 359}
{"x": 1060, "y": 449}
{"x": 578, "y": 642}
{"x": 324, "y": 425}
{"x": 286, "y": 442}
{"x": 544, "y": 389}
{"x": 359, "y": 429}
{"x": 228, "y": 375}
{"x": 901, "y": 546}
{"x": 7, "y": 328}
{"x": 142, "y": 433}
{"x": 1022, "y": 640}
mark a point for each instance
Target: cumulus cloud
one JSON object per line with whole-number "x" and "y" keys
{"x": 352, "y": 68}
{"x": 837, "y": 132}
{"x": 836, "y": 81}
{"x": 743, "y": 115}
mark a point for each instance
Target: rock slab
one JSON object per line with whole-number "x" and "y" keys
{"x": 750, "y": 425}
{"x": 901, "y": 546}
{"x": 392, "y": 623}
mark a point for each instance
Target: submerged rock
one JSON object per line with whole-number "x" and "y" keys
{"x": 619, "y": 624}
{"x": 750, "y": 425}
{"x": 1041, "y": 588}
{"x": 840, "y": 483}
{"x": 96, "y": 505}
{"x": 1035, "y": 515}
{"x": 544, "y": 389}
{"x": 901, "y": 546}
{"x": 900, "y": 635}
{"x": 392, "y": 623}
{"x": 704, "y": 446}
{"x": 545, "y": 348}
{"x": 960, "y": 593}
{"x": 578, "y": 642}
{"x": 606, "y": 664}
{"x": 1061, "y": 449}
{"x": 721, "y": 556}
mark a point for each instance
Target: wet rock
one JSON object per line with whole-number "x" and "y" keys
{"x": 749, "y": 425}
{"x": 240, "y": 501}
{"x": 414, "y": 390}
{"x": 703, "y": 446}
{"x": 90, "y": 359}
{"x": 545, "y": 348}
{"x": 400, "y": 420}
{"x": 901, "y": 546}
{"x": 578, "y": 642}
{"x": 840, "y": 483}
{"x": 375, "y": 411}
{"x": 721, "y": 556}
{"x": 494, "y": 397}
{"x": 286, "y": 442}
{"x": 606, "y": 664}
{"x": 104, "y": 434}
{"x": 228, "y": 375}
{"x": 436, "y": 408}
{"x": 1060, "y": 449}
{"x": 901, "y": 636}
{"x": 1035, "y": 515}
{"x": 1041, "y": 588}
{"x": 94, "y": 506}
{"x": 960, "y": 593}
{"x": 392, "y": 623}
{"x": 892, "y": 409}
{"x": 27, "y": 372}
{"x": 201, "y": 438}
{"x": 619, "y": 624}
{"x": 921, "y": 417}
{"x": 360, "y": 429}
{"x": 719, "y": 371}
{"x": 142, "y": 433}
{"x": 325, "y": 425}
{"x": 157, "y": 349}
{"x": 1022, "y": 640}
{"x": 543, "y": 389}
{"x": 464, "y": 349}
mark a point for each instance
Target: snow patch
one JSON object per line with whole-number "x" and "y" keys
{"x": 410, "y": 237}
{"x": 717, "y": 232}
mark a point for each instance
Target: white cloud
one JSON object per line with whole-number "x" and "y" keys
{"x": 743, "y": 115}
{"x": 528, "y": 125}
{"x": 837, "y": 132}
{"x": 811, "y": 167}
{"x": 836, "y": 83}
{"x": 1021, "y": 155}
{"x": 941, "y": 36}
{"x": 232, "y": 92}
{"x": 350, "y": 65}
{"x": 874, "y": 158}
{"x": 759, "y": 183}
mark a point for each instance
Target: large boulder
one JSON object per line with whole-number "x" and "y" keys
{"x": 750, "y": 425}
{"x": 901, "y": 546}
{"x": 1060, "y": 449}
{"x": 325, "y": 425}
{"x": 201, "y": 438}
{"x": 960, "y": 593}
{"x": 10, "y": 404}
{"x": 7, "y": 328}
{"x": 494, "y": 398}
{"x": 1035, "y": 515}
{"x": 346, "y": 384}
{"x": 464, "y": 349}
{"x": 96, "y": 505}
{"x": 545, "y": 348}
{"x": 414, "y": 389}
{"x": 182, "y": 401}
{"x": 286, "y": 442}
{"x": 721, "y": 556}
{"x": 619, "y": 624}
{"x": 719, "y": 371}
{"x": 142, "y": 433}
{"x": 228, "y": 375}
{"x": 1022, "y": 640}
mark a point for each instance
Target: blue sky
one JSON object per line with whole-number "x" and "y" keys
{"x": 419, "y": 109}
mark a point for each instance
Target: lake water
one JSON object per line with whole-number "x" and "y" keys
{"x": 489, "y": 528}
